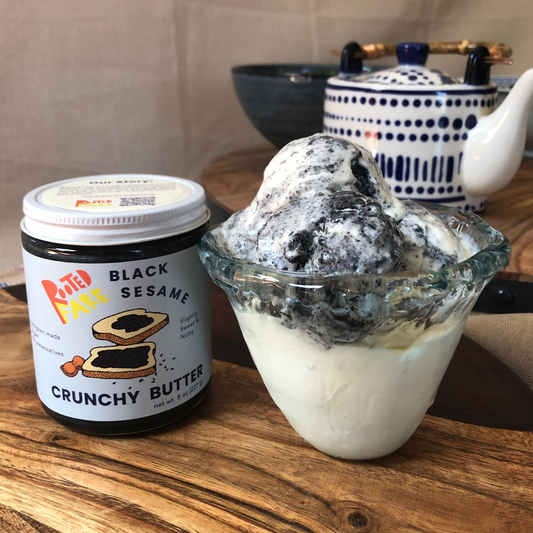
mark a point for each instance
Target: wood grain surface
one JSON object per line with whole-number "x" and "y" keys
{"x": 231, "y": 183}
{"x": 511, "y": 212}
{"x": 235, "y": 465}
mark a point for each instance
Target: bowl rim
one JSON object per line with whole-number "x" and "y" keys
{"x": 285, "y": 70}
{"x": 352, "y": 306}
{"x": 295, "y": 69}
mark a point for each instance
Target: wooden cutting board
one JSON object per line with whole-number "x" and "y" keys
{"x": 235, "y": 464}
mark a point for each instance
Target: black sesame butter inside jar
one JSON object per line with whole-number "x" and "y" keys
{"x": 119, "y": 302}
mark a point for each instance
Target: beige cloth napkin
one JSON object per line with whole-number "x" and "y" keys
{"x": 508, "y": 337}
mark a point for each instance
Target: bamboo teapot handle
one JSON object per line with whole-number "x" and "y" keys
{"x": 379, "y": 50}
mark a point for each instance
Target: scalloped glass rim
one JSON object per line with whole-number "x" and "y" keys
{"x": 493, "y": 257}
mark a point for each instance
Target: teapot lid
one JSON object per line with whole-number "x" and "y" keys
{"x": 411, "y": 69}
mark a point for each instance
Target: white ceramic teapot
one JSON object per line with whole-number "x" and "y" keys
{"x": 436, "y": 138}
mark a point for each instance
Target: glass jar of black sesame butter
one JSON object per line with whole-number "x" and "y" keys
{"x": 119, "y": 302}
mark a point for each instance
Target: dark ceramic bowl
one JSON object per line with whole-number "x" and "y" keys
{"x": 284, "y": 102}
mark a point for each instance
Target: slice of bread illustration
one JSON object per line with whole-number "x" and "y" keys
{"x": 121, "y": 362}
{"x": 129, "y": 327}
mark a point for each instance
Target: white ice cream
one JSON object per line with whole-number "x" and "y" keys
{"x": 353, "y": 401}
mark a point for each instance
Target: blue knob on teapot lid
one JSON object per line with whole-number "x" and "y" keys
{"x": 412, "y": 53}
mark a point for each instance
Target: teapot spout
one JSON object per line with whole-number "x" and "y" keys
{"x": 495, "y": 147}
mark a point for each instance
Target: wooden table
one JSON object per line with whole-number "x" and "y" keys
{"x": 235, "y": 464}
{"x": 231, "y": 183}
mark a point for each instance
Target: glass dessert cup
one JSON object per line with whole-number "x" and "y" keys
{"x": 354, "y": 361}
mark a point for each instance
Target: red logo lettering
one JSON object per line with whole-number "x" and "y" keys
{"x": 57, "y": 294}
{"x": 94, "y": 203}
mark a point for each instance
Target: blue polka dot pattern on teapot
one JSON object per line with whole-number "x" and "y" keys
{"x": 410, "y": 75}
{"x": 416, "y": 133}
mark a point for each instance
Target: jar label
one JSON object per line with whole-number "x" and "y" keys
{"x": 119, "y": 341}
{"x": 127, "y": 194}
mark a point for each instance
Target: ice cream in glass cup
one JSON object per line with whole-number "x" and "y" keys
{"x": 353, "y": 358}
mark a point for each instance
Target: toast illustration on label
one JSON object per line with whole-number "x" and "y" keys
{"x": 121, "y": 362}
{"x": 129, "y": 327}
{"x": 131, "y": 357}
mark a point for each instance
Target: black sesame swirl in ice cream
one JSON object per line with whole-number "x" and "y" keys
{"x": 429, "y": 243}
{"x": 339, "y": 232}
{"x": 324, "y": 208}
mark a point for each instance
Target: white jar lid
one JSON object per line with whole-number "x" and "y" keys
{"x": 114, "y": 209}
